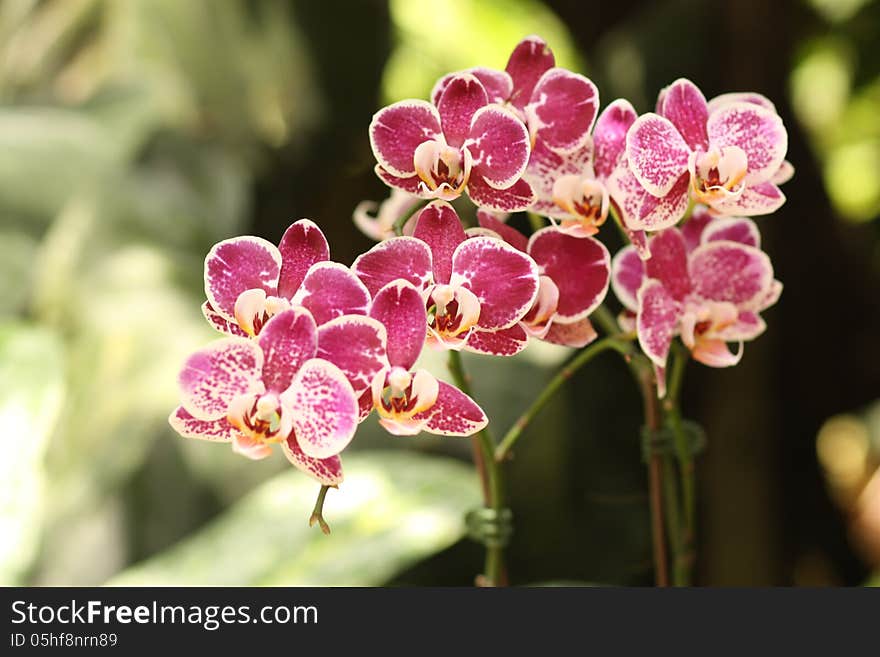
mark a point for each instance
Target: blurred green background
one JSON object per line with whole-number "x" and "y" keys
{"x": 136, "y": 133}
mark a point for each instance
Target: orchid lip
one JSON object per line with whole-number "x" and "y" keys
{"x": 453, "y": 311}
{"x": 717, "y": 174}
{"x": 253, "y": 308}
{"x": 398, "y": 394}
{"x": 443, "y": 170}
{"x": 259, "y": 417}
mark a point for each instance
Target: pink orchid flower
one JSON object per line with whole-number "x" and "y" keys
{"x": 476, "y": 289}
{"x": 409, "y": 402}
{"x": 574, "y": 274}
{"x": 464, "y": 144}
{"x": 557, "y": 106}
{"x": 272, "y": 390}
{"x": 571, "y": 188}
{"x": 707, "y": 282}
{"x": 728, "y": 155}
{"x": 381, "y": 226}
{"x": 248, "y": 280}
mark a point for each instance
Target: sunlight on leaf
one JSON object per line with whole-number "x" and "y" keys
{"x": 31, "y": 392}
{"x": 434, "y": 39}
{"x": 392, "y": 510}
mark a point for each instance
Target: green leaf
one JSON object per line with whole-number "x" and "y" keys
{"x": 394, "y": 509}
{"x": 31, "y": 391}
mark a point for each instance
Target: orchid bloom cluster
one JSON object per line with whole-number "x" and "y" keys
{"x": 309, "y": 353}
{"x": 311, "y": 347}
{"x": 695, "y": 163}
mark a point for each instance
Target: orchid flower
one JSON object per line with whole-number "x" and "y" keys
{"x": 728, "y": 154}
{"x": 463, "y": 144}
{"x": 706, "y": 282}
{"x": 272, "y": 390}
{"x": 476, "y": 289}
{"x": 574, "y": 276}
{"x": 557, "y": 106}
{"x": 407, "y": 401}
{"x": 248, "y": 280}
{"x": 571, "y": 188}
{"x": 381, "y": 226}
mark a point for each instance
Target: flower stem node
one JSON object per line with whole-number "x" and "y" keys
{"x": 662, "y": 441}
{"x": 490, "y": 527}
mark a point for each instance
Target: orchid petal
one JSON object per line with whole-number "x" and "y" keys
{"x": 400, "y": 257}
{"x": 771, "y": 297}
{"x": 684, "y": 104}
{"x": 328, "y": 472}
{"x": 740, "y": 97}
{"x": 537, "y": 321}
{"x": 657, "y": 153}
{"x": 641, "y": 210}
{"x": 627, "y": 274}
{"x": 716, "y": 353}
{"x": 501, "y": 342}
{"x": 692, "y": 229}
{"x": 186, "y": 425}
{"x": 760, "y": 199}
{"x": 669, "y": 262}
{"x": 783, "y": 174}
{"x": 509, "y": 234}
{"x": 302, "y": 245}
{"x": 576, "y": 334}
{"x": 409, "y": 184}
{"x": 500, "y": 146}
{"x": 580, "y": 267}
{"x": 733, "y": 229}
{"x": 513, "y": 199}
{"x": 397, "y": 130}
{"x": 504, "y": 280}
{"x": 460, "y": 100}
{"x": 250, "y": 447}
{"x": 400, "y": 308}
{"x": 356, "y": 345}
{"x": 238, "y": 264}
{"x": 324, "y": 408}
{"x": 757, "y": 131}
{"x": 288, "y": 340}
{"x": 214, "y": 375}
{"x": 546, "y": 167}
{"x": 748, "y": 326}
{"x": 331, "y": 290}
{"x": 528, "y": 62}
{"x": 439, "y": 227}
{"x": 609, "y": 136}
{"x": 657, "y": 318}
{"x": 453, "y": 414}
{"x": 497, "y": 84}
{"x": 220, "y": 323}
{"x": 727, "y": 271}
{"x": 562, "y": 110}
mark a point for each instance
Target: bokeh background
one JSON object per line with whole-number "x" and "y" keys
{"x": 134, "y": 134}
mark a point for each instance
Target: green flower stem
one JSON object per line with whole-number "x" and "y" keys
{"x": 402, "y": 219}
{"x": 672, "y": 505}
{"x": 491, "y": 478}
{"x": 605, "y": 319}
{"x": 685, "y": 459}
{"x": 641, "y": 368}
{"x": 618, "y": 223}
{"x": 617, "y": 343}
{"x": 317, "y": 513}
{"x": 643, "y": 374}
